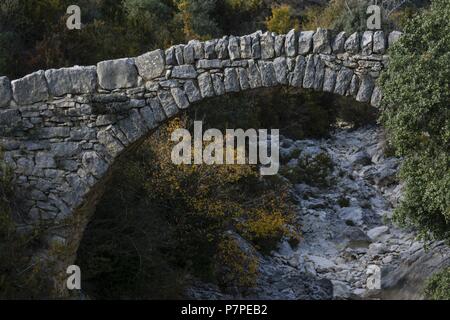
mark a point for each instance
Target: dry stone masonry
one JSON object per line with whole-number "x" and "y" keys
{"x": 61, "y": 129}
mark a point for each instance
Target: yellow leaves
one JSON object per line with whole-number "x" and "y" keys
{"x": 244, "y": 5}
{"x": 242, "y": 266}
{"x": 282, "y": 19}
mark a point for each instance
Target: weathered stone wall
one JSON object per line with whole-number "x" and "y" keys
{"x": 62, "y": 129}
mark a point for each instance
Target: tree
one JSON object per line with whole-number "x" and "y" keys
{"x": 416, "y": 113}
{"x": 281, "y": 20}
{"x": 199, "y": 18}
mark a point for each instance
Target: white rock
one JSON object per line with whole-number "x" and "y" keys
{"x": 375, "y": 233}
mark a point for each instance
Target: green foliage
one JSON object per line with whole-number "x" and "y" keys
{"x": 312, "y": 170}
{"x": 199, "y": 18}
{"x": 351, "y": 16}
{"x": 438, "y": 286}
{"x": 417, "y": 116}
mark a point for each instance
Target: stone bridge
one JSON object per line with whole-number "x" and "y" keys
{"x": 62, "y": 129}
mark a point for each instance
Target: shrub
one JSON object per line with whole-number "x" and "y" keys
{"x": 313, "y": 170}
{"x": 416, "y": 115}
{"x": 236, "y": 266}
{"x": 438, "y": 286}
{"x": 351, "y": 16}
{"x": 281, "y": 20}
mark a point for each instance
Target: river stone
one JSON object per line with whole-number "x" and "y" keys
{"x": 267, "y": 46}
{"x": 321, "y": 41}
{"x": 338, "y": 42}
{"x": 367, "y": 42}
{"x": 353, "y": 214}
{"x": 74, "y": 80}
{"x": 377, "y": 232}
{"x": 30, "y": 89}
{"x": 365, "y": 89}
{"x": 116, "y": 74}
{"x": 234, "y": 48}
{"x": 291, "y": 43}
{"x": 379, "y": 42}
{"x": 305, "y": 42}
{"x": 351, "y": 45}
{"x": 205, "y": 85}
{"x": 151, "y": 65}
{"x": 185, "y": 71}
{"x": 5, "y": 92}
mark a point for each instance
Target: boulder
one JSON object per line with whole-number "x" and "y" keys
{"x": 377, "y": 232}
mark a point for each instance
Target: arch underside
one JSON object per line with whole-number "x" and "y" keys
{"x": 62, "y": 129}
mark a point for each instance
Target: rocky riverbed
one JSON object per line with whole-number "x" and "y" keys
{"x": 349, "y": 247}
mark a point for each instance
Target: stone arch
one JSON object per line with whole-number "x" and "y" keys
{"x": 62, "y": 129}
